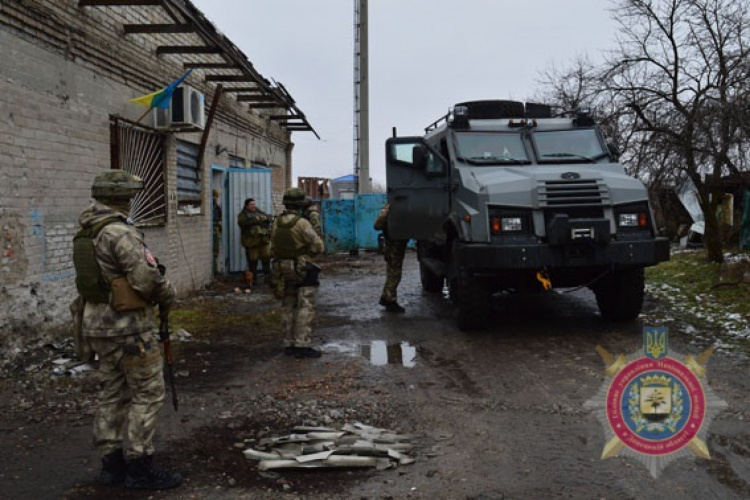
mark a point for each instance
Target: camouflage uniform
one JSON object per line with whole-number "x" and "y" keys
{"x": 132, "y": 382}
{"x": 298, "y": 302}
{"x": 255, "y": 228}
{"x": 312, "y": 213}
{"x": 217, "y": 225}
{"x": 113, "y": 266}
{"x": 394, "y": 259}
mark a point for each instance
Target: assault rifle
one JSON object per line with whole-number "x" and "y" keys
{"x": 311, "y": 275}
{"x": 168, "y": 358}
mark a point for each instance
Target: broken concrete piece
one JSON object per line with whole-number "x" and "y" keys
{"x": 331, "y": 461}
{"x": 357, "y": 445}
{"x": 260, "y": 455}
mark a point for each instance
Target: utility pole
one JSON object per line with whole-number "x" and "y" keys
{"x": 361, "y": 98}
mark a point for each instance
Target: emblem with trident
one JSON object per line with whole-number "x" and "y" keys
{"x": 655, "y": 342}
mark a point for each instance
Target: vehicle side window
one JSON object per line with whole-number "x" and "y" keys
{"x": 403, "y": 152}
{"x": 417, "y": 155}
{"x": 435, "y": 166}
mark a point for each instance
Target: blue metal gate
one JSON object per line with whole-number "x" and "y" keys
{"x": 348, "y": 223}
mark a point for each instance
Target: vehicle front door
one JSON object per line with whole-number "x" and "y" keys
{"x": 418, "y": 187}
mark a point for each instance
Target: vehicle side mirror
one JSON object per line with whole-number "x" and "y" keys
{"x": 614, "y": 151}
{"x": 419, "y": 156}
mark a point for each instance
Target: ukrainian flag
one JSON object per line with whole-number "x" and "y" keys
{"x": 160, "y": 98}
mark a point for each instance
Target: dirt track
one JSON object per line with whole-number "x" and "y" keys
{"x": 496, "y": 414}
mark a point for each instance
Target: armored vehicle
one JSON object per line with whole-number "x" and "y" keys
{"x": 503, "y": 197}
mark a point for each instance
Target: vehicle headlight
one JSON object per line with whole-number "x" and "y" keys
{"x": 633, "y": 216}
{"x": 509, "y": 222}
{"x": 628, "y": 220}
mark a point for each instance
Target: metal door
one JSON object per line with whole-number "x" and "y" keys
{"x": 238, "y": 185}
{"x": 418, "y": 188}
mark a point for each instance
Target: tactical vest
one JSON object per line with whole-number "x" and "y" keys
{"x": 90, "y": 282}
{"x": 284, "y": 244}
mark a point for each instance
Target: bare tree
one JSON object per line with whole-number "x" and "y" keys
{"x": 680, "y": 74}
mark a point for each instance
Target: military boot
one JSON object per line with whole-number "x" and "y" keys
{"x": 114, "y": 468}
{"x": 143, "y": 475}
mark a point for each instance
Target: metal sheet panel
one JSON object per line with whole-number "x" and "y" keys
{"x": 348, "y": 223}
{"x": 340, "y": 233}
{"x": 243, "y": 183}
{"x": 366, "y": 210}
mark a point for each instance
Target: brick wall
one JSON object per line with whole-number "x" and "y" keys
{"x": 64, "y": 71}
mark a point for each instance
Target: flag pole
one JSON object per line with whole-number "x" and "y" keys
{"x": 143, "y": 115}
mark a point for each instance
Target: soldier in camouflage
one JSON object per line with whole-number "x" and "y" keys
{"x": 217, "y": 218}
{"x": 293, "y": 243}
{"x": 394, "y": 259}
{"x": 130, "y": 362}
{"x": 312, "y": 213}
{"x": 255, "y": 228}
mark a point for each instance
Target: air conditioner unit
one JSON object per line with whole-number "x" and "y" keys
{"x": 187, "y": 110}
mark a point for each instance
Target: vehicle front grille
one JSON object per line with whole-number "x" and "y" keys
{"x": 572, "y": 193}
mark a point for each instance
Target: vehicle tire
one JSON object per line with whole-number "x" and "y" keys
{"x": 619, "y": 294}
{"x": 473, "y": 302}
{"x": 431, "y": 282}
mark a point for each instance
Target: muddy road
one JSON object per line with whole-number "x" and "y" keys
{"x": 496, "y": 414}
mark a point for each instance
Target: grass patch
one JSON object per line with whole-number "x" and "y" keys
{"x": 715, "y": 295}
{"x": 698, "y": 281}
{"x": 203, "y": 319}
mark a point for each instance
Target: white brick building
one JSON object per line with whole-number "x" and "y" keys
{"x": 67, "y": 71}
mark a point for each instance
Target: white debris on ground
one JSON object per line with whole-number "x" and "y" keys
{"x": 730, "y": 322}
{"x": 354, "y": 445}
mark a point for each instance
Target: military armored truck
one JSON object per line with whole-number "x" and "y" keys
{"x": 503, "y": 197}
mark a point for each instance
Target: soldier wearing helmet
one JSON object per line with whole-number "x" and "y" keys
{"x": 312, "y": 213}
{"x": 255, "y": 230}
{"x": 118, "y": 282}
{"x": 293, "y": 243}
{"x": 395, "y": 250}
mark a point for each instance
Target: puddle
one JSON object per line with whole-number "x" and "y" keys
{"x": 379, "y": 352}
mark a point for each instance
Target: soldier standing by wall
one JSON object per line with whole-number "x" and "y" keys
{"x": 119, "y": 281}
{"x": 394, "y": 259}
{"x": 255, "y": 228}
{"x": 217, "y": 227}
{"x": 295, "y": 279}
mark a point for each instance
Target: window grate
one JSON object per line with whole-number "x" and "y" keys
{"x": 140, "y": 150}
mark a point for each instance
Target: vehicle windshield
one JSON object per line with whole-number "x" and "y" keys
{"x": 490, "y": 148}
{"x": 568, "y": 145}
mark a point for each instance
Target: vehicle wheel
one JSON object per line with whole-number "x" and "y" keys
{"x": 431, "y": 282}
{"x": 473, "y": 302}
{"x": 620, "y": 294}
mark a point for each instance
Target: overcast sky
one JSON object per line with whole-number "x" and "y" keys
{"x": 425, "y": 55}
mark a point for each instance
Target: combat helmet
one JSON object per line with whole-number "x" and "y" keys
{"x": 116, "y": 184}
{"x": 295, "y": 197}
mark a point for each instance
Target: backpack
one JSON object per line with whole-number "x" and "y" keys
{"x": 90, "y": 282}
{"x": 284, "y": 244}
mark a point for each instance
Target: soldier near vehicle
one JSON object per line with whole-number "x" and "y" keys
{"x": 295, "y": 277}
{"x": 119, "y": 282}
{"x": 255, "y": 229}
{"x": 394, "y": 260}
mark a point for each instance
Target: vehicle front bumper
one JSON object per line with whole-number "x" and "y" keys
{"x": 488, "y": 257}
